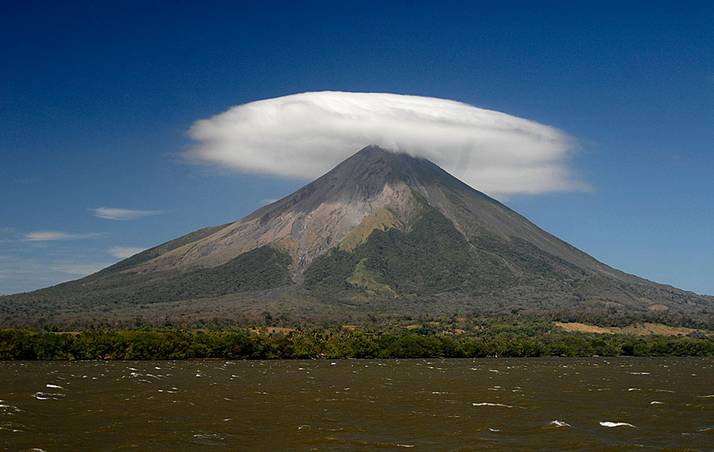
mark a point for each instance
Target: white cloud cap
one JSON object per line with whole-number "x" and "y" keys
{"x": 304, "y": 135}
{"x": 115, "y": 213}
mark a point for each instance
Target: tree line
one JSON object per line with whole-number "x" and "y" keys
{"x": 144, "y": 344}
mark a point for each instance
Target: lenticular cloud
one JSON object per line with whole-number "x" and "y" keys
{"x": 304, "y": 135}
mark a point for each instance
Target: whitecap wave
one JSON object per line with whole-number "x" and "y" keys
{"x": 5, "y": 407}
{"x": 209, "y": 436}
{"x": 610, "y": 424}
{"x": 491, "y": 404}
{"x": 558, "y": 423}
{"x": 48, "y": 396}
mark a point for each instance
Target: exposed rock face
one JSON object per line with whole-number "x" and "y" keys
{"x": 372, "y": 184}
{"x": 373, "y": 189}
{"x": 379, "y": 226}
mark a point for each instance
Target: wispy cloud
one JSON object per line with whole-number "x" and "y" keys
{"x": 79, "y": 269}
{"x": 47, "y": 236}
{"x": 20, "y": 273}
{"x": 122, "y": 252}
{"x": 267, "y": 201}
{"x": 304, "y": 135}
{"x": 118, "y": 214}
{"x": 7, "y": 234}
{"x": 17, "y": 274}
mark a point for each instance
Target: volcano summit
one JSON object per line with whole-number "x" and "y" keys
{"x": 381, "y": 233}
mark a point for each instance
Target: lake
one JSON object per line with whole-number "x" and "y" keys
{"x": 465, "y": 404}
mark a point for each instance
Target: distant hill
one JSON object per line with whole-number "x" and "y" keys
{"x": 382, "y": 234}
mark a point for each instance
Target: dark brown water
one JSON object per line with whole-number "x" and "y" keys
{"x": 622, "y": 403}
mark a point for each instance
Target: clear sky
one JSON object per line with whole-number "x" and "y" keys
{"x": 96, "y": 99}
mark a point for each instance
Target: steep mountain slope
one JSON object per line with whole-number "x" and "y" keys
{"x": 381, "y": 229}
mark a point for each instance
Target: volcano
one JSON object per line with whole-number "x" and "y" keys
{"x": 382, "y": 232}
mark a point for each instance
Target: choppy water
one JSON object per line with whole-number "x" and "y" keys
{"x": 417, "y": 404}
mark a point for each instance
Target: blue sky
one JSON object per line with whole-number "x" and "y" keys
{"x": 96, "y": 99}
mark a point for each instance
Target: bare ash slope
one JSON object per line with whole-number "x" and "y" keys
{"x": 322, "y": 214}
{"x": 380, "y": 230}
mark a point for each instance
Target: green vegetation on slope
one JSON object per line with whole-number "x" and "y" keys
{"x": 258, "y": 269}
{"x": 432, "y": 257}
{"x": 262, "y": 268}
